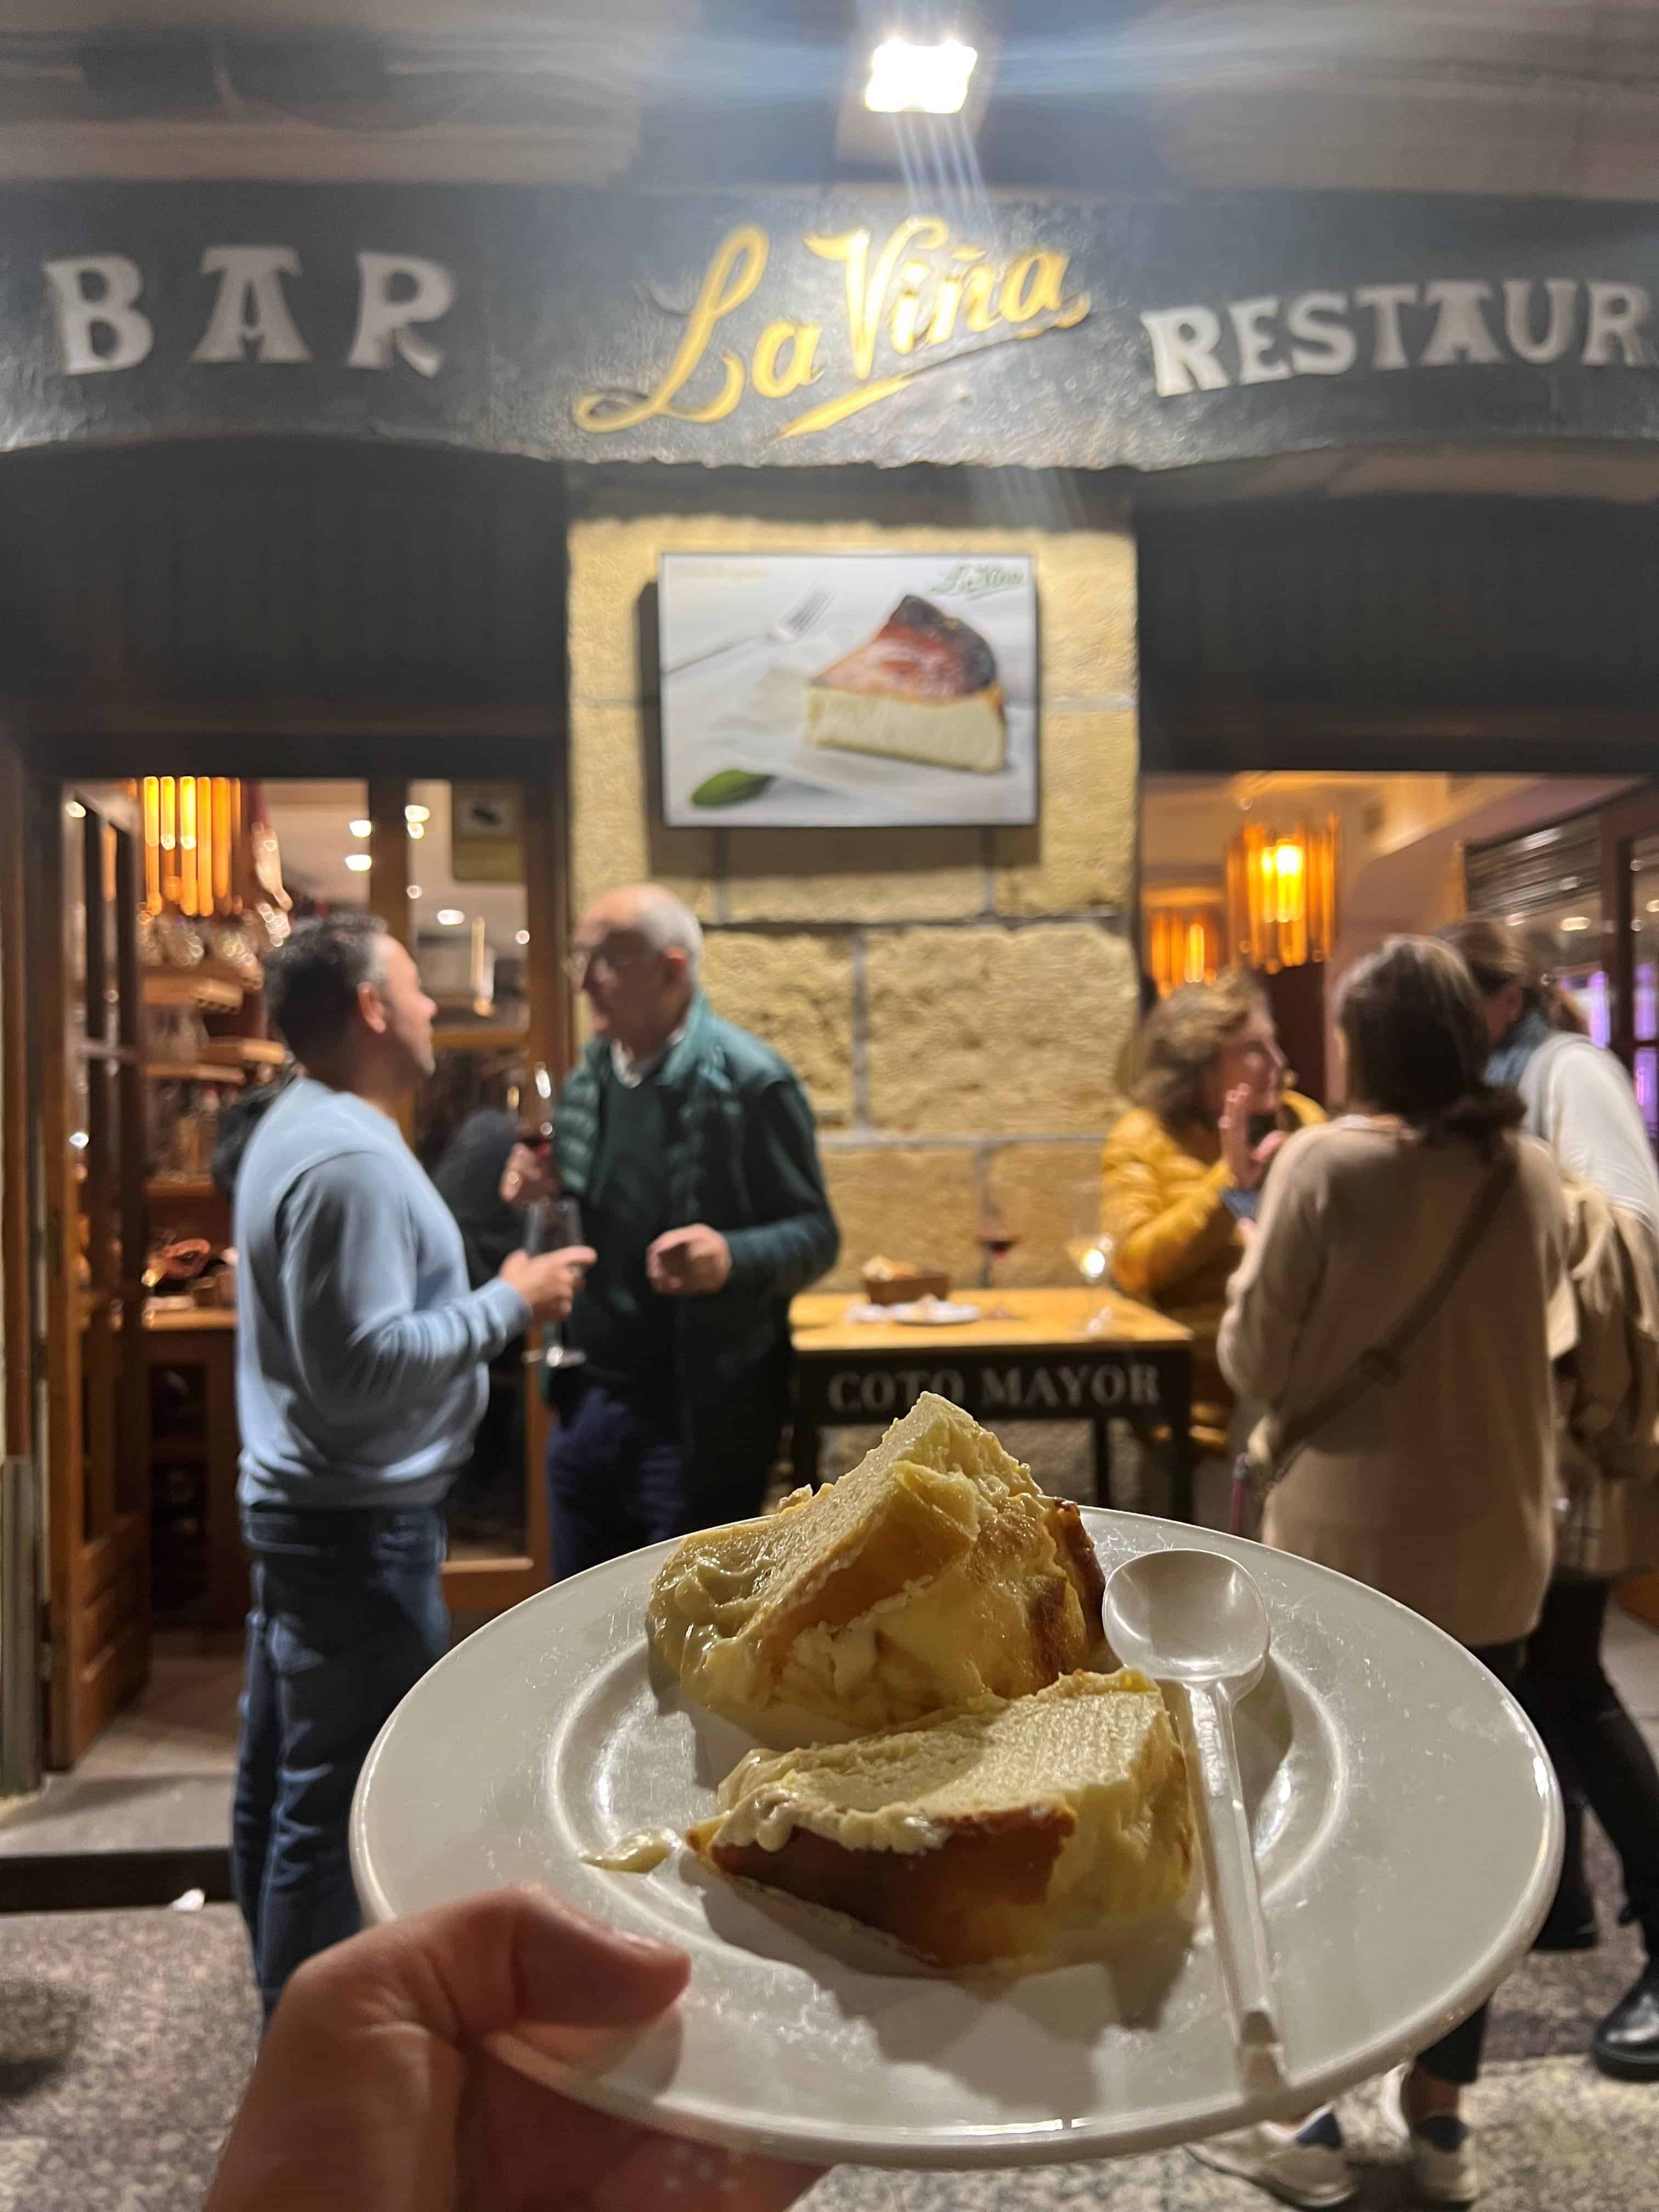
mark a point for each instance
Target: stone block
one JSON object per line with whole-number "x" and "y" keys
{"x": 613, "y": 839}
{"x": 854, "y": 875}
{"x": 918, "y": 1205}
{"x": 997, "y": 1030}
{"x": 1048, "y": 1193}
{"x": 797, "y": 993}
{"x": 1082, "y": 853}
{"x": 1086, "y": 613}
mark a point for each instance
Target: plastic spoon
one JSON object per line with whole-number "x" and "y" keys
{"x": 1196, "y": 1620}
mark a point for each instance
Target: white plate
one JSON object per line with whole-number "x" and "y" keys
{"x": 1406, "y": 1826}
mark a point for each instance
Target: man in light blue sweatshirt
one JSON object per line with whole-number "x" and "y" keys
{"x": 362, "y": 1360}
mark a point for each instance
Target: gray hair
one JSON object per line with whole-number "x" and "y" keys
{"x": 668, "y": 925}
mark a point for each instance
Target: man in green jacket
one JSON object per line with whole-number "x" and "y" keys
{"x": 690, "y": 1146}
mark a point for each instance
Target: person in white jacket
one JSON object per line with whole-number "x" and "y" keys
{"x": 1579, "y": 1101}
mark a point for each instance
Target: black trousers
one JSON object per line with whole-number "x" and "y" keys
{"x": 1456, "y": 2056}
{"x": 619, "y": 1475}
{"x": 1600, "y": 1755}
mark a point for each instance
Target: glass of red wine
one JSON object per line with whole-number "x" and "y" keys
{"x": 551, "y": 1225}
{"x": 998, "y": 1237}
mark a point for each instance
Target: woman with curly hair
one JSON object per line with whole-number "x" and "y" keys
{"x": 1185, "y": 1164}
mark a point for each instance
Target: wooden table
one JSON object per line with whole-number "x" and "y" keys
{"x": 1043, "y": 1363}
{"x": 205, "y": 1337}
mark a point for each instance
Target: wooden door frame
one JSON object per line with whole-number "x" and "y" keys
{"x": 98, "y": 1584}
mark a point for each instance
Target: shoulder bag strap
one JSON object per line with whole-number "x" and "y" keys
{"x": 1381, "y": 1362}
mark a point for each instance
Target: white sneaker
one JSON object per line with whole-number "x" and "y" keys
{"x": 1303, "y": 2166}
{"x": 1445, "y": 2166}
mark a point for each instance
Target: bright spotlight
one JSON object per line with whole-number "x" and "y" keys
{"x": 912, "y": 80}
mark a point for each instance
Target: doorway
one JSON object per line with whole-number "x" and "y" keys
{"x": 149, "y": 1026}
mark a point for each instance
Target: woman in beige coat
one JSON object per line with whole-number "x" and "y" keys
{"x": 1438, "y": 1489}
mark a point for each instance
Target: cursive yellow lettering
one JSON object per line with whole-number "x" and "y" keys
{"x": 739, "y": 264}
{"x": 979, "y": 287}
{"x": 773, "y": 382}
{"x": 850, "y": 403}
{"x": 946, "y": 300}
{"x": 852, "y": 248}
{"x": 906, "y": 307}
{"x": 866, "y": 288}
{"x": 1033, "y": 286}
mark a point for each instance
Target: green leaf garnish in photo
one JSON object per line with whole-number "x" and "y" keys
{"x": 730, "y": 788}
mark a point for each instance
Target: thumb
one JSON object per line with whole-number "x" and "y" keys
{"x": 464, "y": 1971}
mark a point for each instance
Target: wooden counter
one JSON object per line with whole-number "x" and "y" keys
{"x": 1034, "y": 1358}
{"x": 205, "y": 1337}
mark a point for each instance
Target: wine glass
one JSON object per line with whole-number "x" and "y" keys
{"x": 1089, "y": 1248}
{"x": 553, "y": 1224}
{"x": 997, "y": 1238}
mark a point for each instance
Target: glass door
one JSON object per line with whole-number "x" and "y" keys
{"x": 1631, "y": 901}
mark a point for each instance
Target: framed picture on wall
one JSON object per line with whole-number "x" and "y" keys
{"x": 847, "y": 690}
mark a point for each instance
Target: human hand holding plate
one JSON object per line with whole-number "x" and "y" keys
{"x": 376, "y": 2088}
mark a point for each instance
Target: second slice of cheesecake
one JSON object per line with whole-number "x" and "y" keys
{"x": 1008, "y": 1831}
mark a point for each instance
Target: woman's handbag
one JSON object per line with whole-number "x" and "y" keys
{"x": 1270, "y": 1455}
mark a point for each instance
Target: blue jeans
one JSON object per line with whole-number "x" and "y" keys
{"x": 347, "y": 1615}
{"x": 618, "y": 1474}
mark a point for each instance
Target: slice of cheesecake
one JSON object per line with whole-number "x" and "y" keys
{"x": 933, "y": 1572}
{"x": 924, "y": 688}
{"x": 1009, "y": 1831}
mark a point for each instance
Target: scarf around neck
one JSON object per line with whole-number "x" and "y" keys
{"x": 1521, "y": 1040}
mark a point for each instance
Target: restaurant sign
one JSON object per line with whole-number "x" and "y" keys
{"x": 803, "y": 329}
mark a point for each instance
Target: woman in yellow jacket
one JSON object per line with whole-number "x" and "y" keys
{"x": 1183, "y": 1165}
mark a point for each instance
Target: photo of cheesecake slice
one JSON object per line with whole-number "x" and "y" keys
{"x": 924, "y": 688}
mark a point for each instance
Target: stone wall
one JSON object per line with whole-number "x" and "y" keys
{"x": 957, "y": 1001}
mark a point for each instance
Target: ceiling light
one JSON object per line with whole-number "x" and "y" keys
{"x": 451, "y": 916}
{"x": 418, "y": 814}
{"x": 1653, "y": 906}
{"x": 359, "y": 863}
{"x": 360, "y": 828}
{"x": 521, "y": 937}
{"x": 415, "y": 828}
{"x": 76, "y": 811}
{"x": 912, "y": 80}
{"x": 413, "y": 890}
{"x": 1575, "y": 922}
